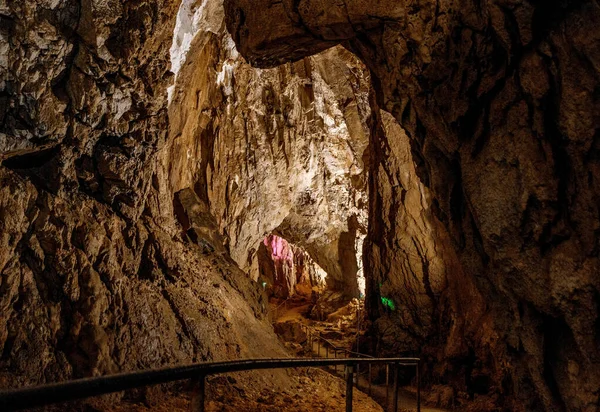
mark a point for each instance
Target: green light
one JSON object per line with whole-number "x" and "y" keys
{"x": 388, "y": 303}
{"x": 264, "y": 285}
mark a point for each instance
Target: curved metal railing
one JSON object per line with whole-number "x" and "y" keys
{"x": 83, "y": 388}
{"x": 313, "y": 337}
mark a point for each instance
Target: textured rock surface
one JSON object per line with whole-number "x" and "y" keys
{"x": 286, "y": 269}
{"x": 113, "y": 203}
{"x": 280, "y": 150}
{"x": 97, "y": 273}
{"x": 410, "y": 258}
{"x": 500, "y": 100}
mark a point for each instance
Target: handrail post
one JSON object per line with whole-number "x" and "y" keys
{"x": 387, "y": 385}
{"x": 349, "y": 379}
{"x": 396, "y": 379}
{"x": 198, "y": 394}
{"x": 335, "y": 368}
{"x": 196, "y": 374}
{"x": 370, "y": 378}
{"x": 418, "y": 388}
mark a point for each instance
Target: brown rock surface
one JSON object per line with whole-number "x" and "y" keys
{"x": 98, "y": 275}
{"x": 281, "y": 150}
{"x": 120, "y": 213}
{"x": 500, "y": 102}
{"x": 286, "y": 269}
{"x": 124, "y": 219}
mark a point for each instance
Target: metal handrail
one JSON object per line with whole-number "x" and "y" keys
{"x": 336, "y": 349}
{"x": 83, "y": 388}
{"x": 283, "y": 303}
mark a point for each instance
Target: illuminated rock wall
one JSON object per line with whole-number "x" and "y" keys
{"x": 500, "y": 102}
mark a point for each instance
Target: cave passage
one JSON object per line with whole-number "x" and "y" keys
{"x": 168, "y": 166}
{"x": 284, "y": 269}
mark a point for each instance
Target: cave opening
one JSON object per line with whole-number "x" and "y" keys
{"x": 284, "y": 269}
{"x": 294, "y": 281}
{"x": 282, "y": 155}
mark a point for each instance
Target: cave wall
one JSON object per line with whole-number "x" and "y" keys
{"x": 500, "y": 101}
{"x": 273, "y": 151}
{"x": 113, "y": 202}
{"x": 410, "y": 256}
{"x": 141, "y": 161}
{"x": 104, "y": 267}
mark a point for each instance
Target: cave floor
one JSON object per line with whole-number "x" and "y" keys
{"x": 406, "y": 395}
{"x": 313, "y": 390}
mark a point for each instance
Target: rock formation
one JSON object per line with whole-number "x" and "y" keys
{"x": 285, "y": 269}
{"x": 139, "y": 155}
{"x": 96, "y": 276}
{"x": 500, "y": 101}
{"x": 143, "y": 162}
{"x": 277, "y": 150}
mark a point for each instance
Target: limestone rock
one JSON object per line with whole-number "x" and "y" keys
{"x": 499, "y": 101}
{"x": 143, "y": 161}
{"x": 290, "y": 331}
{"x": 273, "y": 151}
{"x": 286, "y": 269}
{"x": 120, "y": 213}
{"x": 97, "y": 273}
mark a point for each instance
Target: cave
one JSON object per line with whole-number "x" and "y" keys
{"x": 410, "y": 179}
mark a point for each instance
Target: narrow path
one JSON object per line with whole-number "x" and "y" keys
{"x": 406, "y": 400}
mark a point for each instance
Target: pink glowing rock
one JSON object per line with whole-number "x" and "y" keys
{"x": 280, "y": 249}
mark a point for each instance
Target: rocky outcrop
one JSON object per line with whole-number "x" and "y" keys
{"x": 412, "y": 265}
{"x": 284, "y": 269}
{"x": 86, "y": 293}
{"x": 500, "y": 102}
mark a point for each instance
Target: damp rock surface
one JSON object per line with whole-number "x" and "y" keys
{"x": 142, "y": 163}
{"x": 277, "y": 151}
{"x": 147, "y": 148}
